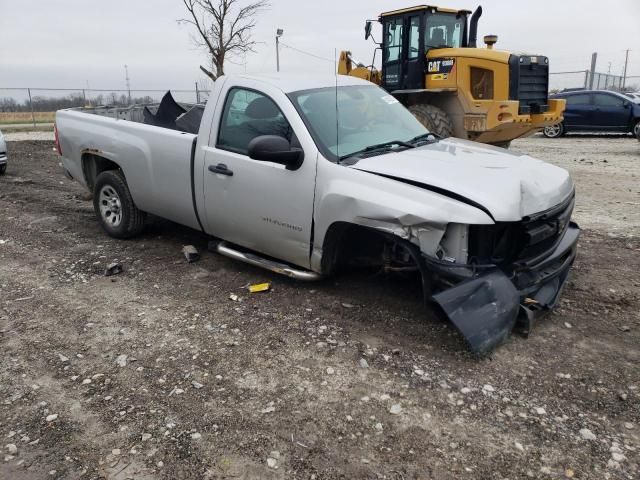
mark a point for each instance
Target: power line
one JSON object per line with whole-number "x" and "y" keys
{"x": 306, "y": 53}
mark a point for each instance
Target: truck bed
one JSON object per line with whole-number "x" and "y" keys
{"x": 157, "y": 161}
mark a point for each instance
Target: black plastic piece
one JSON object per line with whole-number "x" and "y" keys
{"x": 190, "y": 121}
{"x": 168, "y": 111}
{"x": 484, "y": 309}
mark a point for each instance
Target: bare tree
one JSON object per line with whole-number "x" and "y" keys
{"x": 223, "y": 27}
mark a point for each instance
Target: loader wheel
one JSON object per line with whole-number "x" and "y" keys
{"x": 433, "y": 118}
{"x": 114, "y": 206}
{"x": 554, "y": 131}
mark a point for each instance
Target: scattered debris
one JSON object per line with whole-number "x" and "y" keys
{"x": 260, "y": 287}
{"x": 196, "y": 385}
{"x": 363, "y": 363}
{"x": 11, "y": 448}
{"x": 52, "y": 418}
{"x": 146, "y": 436}
{"x": 587, "y": 434}
{"x": 234, "y": 297}
{"x": 488, "y": 388}
{"x": 190, "y": 253}
{"x": 113, "y": 269}
{"x": 121, "y": 360}
{"x": 395, "y": 409}
{"x": 348, "y": 305}
{"x": 196, "y": 436}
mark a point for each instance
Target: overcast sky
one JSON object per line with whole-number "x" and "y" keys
{"x": 69, "y": 43}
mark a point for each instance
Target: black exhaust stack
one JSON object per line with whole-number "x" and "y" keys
{"x": 473, "y": 27}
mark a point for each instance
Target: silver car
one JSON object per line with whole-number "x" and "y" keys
{"x": 3, "y": 155}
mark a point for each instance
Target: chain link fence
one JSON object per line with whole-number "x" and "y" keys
{"x": 35, "y": 106}
{"x": 559, "y": 81}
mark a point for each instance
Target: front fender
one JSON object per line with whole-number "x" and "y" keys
{"x": 368, "y": 200}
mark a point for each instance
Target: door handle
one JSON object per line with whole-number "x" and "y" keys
{"x": 222, "y": 169}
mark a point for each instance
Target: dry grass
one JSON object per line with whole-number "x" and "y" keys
{"x": 25, "y": 117}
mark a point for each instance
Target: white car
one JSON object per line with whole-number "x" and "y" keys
{"x": 3, "y": 155}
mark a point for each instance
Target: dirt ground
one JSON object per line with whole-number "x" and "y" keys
{"x": 157, "y": 374}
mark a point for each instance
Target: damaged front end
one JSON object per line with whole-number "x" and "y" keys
{"x": 513, "y": 272}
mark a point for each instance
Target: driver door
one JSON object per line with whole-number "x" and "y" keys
{"x": 255, "y": 204}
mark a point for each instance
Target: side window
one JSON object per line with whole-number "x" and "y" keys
{"x": 581, "y": 99}
{"x": 248, "y": 114}
{"x": 393, "y": 40}
{"x": 604, "y": 100}
{"x": 414, "y": 33}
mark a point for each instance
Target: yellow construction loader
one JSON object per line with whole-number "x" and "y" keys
{"x": 430, "y": 63}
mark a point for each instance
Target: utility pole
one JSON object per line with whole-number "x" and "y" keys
{"x": 624, "y": 75}
{"x": 279, "y": 33}
{"x": 594, "y": 58}
{"x": 126, "y": 76}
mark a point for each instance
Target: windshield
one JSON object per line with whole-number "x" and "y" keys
{"x": 444, "y": 30}
{"x": 367, "y": 115}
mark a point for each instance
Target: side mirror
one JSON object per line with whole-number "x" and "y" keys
{"x": 367, "y": 30}
{"x": 276, "y": 149}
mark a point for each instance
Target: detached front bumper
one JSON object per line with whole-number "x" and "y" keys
{"x": 488, "y": 302}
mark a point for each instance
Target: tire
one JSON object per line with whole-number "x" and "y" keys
{"x": 636, "y": 130}
{"x": 554, "y": 131}
{"x": 434, "y": 119}
{"x": 3, "y": 168}
{"x": 114, "y": 206}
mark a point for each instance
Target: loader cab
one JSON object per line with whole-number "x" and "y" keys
{"x": 407, "y": 37}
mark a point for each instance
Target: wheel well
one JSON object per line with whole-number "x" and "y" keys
{"x": 93, "y": 165}
{"x": 350, "y": 246}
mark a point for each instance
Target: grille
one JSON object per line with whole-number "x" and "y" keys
{"x": 529, "y": 83}
{"x": 540, "y": 233}
{"x": 506, "y": 243}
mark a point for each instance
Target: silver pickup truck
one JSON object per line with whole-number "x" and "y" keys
{"x": 306, "y": 176}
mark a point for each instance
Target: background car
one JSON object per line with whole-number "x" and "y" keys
{"x": 3, "y": 155}
{"x": 596, "y": 111}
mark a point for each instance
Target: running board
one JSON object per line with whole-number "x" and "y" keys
{"x": 223, "y": 248}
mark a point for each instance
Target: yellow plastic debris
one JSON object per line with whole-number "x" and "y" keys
{"x": 259, "y": 287}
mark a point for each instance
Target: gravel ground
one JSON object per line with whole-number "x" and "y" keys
{"x": 157, "y": 373}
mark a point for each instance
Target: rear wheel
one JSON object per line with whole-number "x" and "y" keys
{"x": 433, "y": 118}
{"x": 3, "y": 168}
{"x": 114, "y": 206}
{"x": 553, "y": 131}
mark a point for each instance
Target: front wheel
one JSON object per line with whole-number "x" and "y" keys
{"x": 553, "y": 131}
{"x": 114, "y": 206}
{"x": 636, "y": 130}
{"x": 3, "y": 168}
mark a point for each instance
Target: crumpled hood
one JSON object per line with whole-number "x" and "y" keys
{"x": 509, "y": 185}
